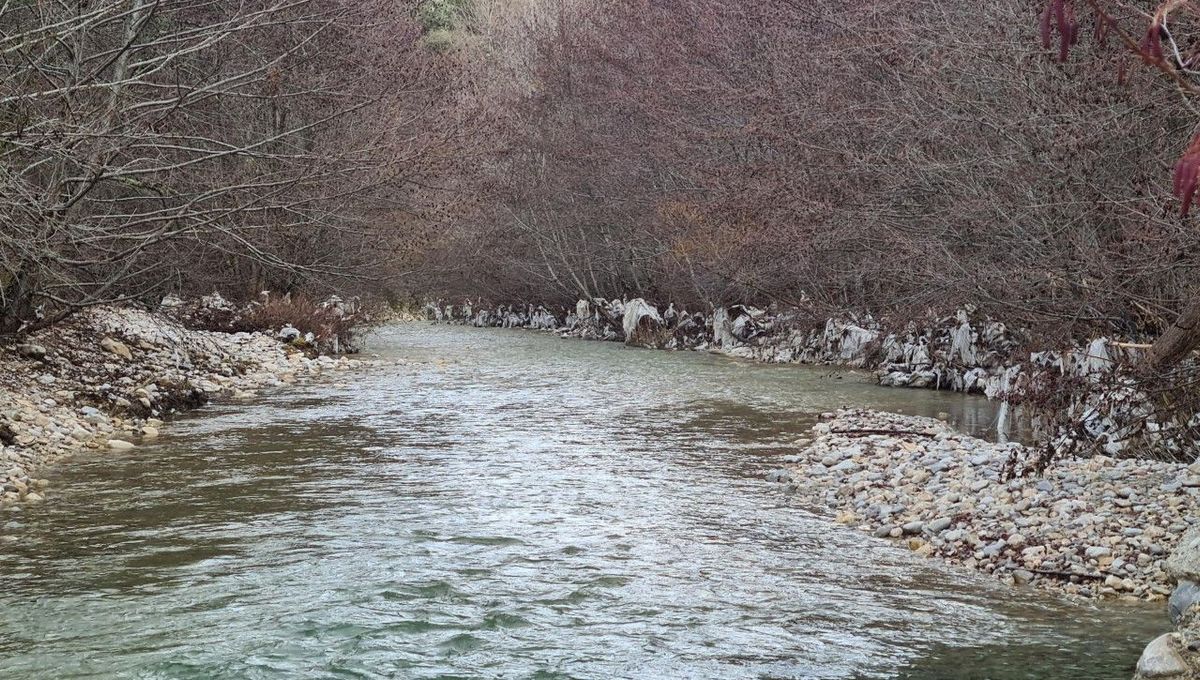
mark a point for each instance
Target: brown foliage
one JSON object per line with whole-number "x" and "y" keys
{"x": 167, "y": 145}
{"x": 890, "y": 156}
{"x": 327, "y": 324}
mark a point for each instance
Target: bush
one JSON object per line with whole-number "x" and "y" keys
{"x": 440, "y": 15}
{"x": 332, "y": 325}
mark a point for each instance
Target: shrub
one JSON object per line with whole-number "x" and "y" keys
{"x": 331, "y": 323}
{"x": 440, "y": 15}
{"x": 332, "y": 326}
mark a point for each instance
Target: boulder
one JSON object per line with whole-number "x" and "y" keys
{"x": 962, "y": 343}
{"x": 116, "y": 347}
{"x": 1183, "y": 597}
{"x": 31, "y": 351}
{"x": 643, "y": 325}
{"x": 1184, "y": 563}
{"x": 723, "y": 329}
{"x": 1161, "y": 659}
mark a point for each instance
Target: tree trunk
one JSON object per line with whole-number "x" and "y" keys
{"x": 1181, "y": 338}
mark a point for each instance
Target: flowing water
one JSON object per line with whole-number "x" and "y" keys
{"x": 506, "y": 504}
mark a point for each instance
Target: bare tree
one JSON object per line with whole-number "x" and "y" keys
{"x": 149, "y": 143}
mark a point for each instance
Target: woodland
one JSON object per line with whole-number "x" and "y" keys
{"x": 1031, "y": 159}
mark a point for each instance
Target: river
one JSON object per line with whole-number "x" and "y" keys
{"x": 506, "y": 504}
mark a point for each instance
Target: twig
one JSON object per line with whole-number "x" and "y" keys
{"x": 1066, "y": 575}
{"x": 866, "y": 431}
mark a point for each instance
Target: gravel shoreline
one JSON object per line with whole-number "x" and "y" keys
{"x": 106, "y": 379}
{"x": 1098, "y": 527}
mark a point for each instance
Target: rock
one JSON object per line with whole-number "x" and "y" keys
{"x": 939, "y": 525}
{"x": 884, "y": 531}
{"x": 34, "y": 497}
{"x": 1183, "y": 597}
{"x": 1022, "y": 576}
{"x": 119, "y": 445}
{"x": 149, "y": 431}
{"x": 994, "y": 549}
{"x": 80, "y": 434}
{"x": 846, "y": 466}
{"x": 913, "y": 527}
{"x": 116, "y": 347}
{"x": 779, "y": 476}
{"x": 1184, "y": 563}
{"x": 289, "y": 334}
{"x": 643, "y": 325}
{"x": 31, "y": 351}
{"x": 1096, "y": 552}
{"x": 1161, "y": 659}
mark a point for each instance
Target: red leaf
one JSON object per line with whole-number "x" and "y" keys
{"x": 1187, "y": 171}
{"x": 1044, "y": 25}
{"x": 1062, "y": 12}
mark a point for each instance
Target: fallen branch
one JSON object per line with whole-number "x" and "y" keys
{"x": 868, "y": 431}
{"x": 1066, "y": 575}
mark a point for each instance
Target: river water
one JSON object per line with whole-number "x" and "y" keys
{"x": 505, "y": 504}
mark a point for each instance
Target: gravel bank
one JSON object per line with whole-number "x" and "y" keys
{"x": 106, "y": 379}
{"x": 1098, "y": 527}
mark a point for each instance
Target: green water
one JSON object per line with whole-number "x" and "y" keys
{"x": 510, "y": 505}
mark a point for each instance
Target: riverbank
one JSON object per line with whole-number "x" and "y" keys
{"x": 107, "y": 378}
{"x": 958, "y": 353}
{"x": 1096, "y": 527}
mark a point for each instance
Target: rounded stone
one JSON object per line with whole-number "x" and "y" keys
{"x": 1161, "y": 659}
{"x": 1186, "y": 594}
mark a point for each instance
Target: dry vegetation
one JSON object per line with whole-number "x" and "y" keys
{"x": 151, "y": 146}
{"x": 891, "y": 157}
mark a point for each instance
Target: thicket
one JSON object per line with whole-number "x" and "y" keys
{"x": 893, "y": 156}
{"x": 155, "y": 146}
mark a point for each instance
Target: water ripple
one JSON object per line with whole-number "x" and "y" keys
{"x": 510, "y": 505}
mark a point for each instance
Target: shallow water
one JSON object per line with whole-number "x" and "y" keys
{"x": 510, "y": 505}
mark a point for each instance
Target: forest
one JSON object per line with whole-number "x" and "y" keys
{"x": 272, "y": 403}
{"x": 893, "y": 157}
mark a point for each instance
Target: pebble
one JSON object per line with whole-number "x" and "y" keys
{"x": 90, "y": 385}
{"x": 1103, "y": 517}
{"x": 939, "y": 525}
